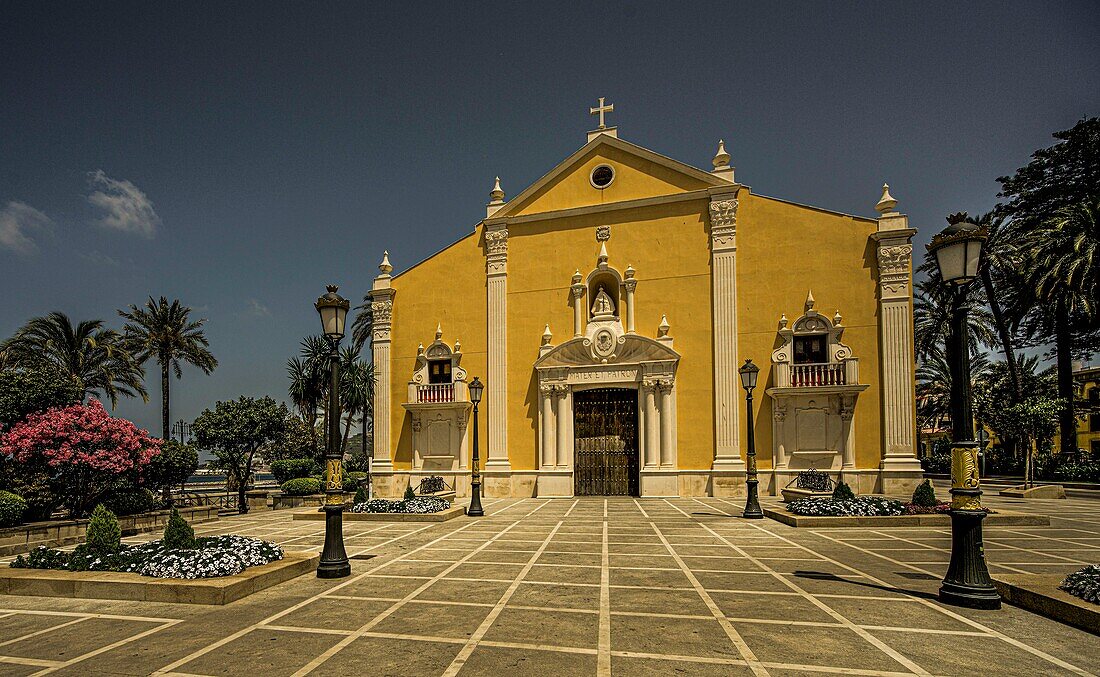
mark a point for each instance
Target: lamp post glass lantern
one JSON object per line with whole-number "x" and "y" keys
{"x": 475, "y": 509}
{"x": 749, "y": 372}
{"x": 957, "y": 250}
{"x": 333, "y": 310}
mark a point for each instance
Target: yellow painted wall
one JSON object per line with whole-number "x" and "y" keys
{"x": 785, "y": 250}
{"x": 447, "y": 289}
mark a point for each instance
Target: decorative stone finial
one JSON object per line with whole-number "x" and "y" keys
{"x": 496, "y": 195}
{"x": 385, "y": 266}
{"x": 577, "y": 277}
{"x": 662, "y": 329}
{"x": 630, "y": 272}
{"x": 438, "y": 331}
{"x": 547, "y": 337}
{"x": 783, "y": 321}
{"x": 721, "y": 158}
{"x": 837, "y": 319}
{"x": 809, "y": 301}
{"x": 420, "y": 349}
{"x": 887, "y": 202}
{"x": 458, "y": 346}
{"x": 603, "y": 255}
{"x": 957, "y": 217}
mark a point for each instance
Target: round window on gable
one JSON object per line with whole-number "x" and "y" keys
{"x": 602, "y": 176}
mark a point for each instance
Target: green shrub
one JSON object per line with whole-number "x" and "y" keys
{"x": 104, "y": 534}
{"x": 843, "y": 492}
{"x": 925, "y": 495}
{"x": 409, "y": 493}
{"x": 301, "y": 486}
{"x": 292, "y": 469}
{"x": 361, "y": 495}
{"x": 178, "y": 534}
{"x": 41, "y": 499}
{"x": 172, "y": 466}
{"x": 353, "y": 479}
{"x": 130, "y": 500}
{"x": 12, "y": 507}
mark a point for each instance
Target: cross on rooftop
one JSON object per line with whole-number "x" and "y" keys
{"x": 600, "y": 110}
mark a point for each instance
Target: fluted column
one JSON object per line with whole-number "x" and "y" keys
{"x": 723, "y": 247}
{"x": 652, "y": 450}
{"x": 896, "y": 340}
{"x": 565, "y": 444}
{"x": 630, "y": 284}
{"x": 847, "y": 431}
{"x": 496, "y": 269}
{"x": 665, "y": 388}
{"x": 579, "y": 309}
{"x": 381, "y": 297}
{"x": 549, "y": 452}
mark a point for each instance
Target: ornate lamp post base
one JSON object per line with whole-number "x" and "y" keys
{"x": 334, "y": 559}
{"x": 752, "y": 504}
{"x": 967, "y": 583}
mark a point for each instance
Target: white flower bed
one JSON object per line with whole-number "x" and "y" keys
{"x": 860, "y": 506}
{"x": 421, "y": 505}
{"x": 1084, "y": 583}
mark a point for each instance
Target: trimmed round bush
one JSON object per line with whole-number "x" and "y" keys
{"x": 293, "y": 468}
{"x": 12, "y": 507}
{"x": 301, "y": 486}
{"x": 130, "y": 501}
{"x": 353, "y": 479}
{"x": 925, "y": 495}
{"x": 104, "y": 535}
{"x": 843, "y": 492}
{"x": 178, "y": 534}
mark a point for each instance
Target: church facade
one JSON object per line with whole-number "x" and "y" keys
{"x": 607, "y": 309}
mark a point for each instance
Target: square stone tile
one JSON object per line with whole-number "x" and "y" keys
{"x": 434, "y": 620}
{"x": 636, "y": 549}
{"x": 551, "y": 628}
{"x": 656, "y": 561}
{"x": 486, "y": 571}
{"x": 564, "y": 575}
{"x": 667, "y": 579}
{"x": 658, "y": 601}
{"x": 19, "y": 625}
{"x": 491, "y": 660}
{"x": 66, "y": 643}
{"x": 446, "y": 590}
{"x": 894, "y": 614}
{"x": 502, "y": 557}
{"x": 404, "y": 568}
{"x": 583, "y": 597}
{"x": 335, "y": 614}
{"x": 388, "y": 657}
{"x": 980, "y": 656}
{"x": 263, "y": 652}
{"x": 825, "y": 585}
{"x": 590, "y": 559}
{"x": 382, "y": 586}
{"x": 678, "y": 636}
{"x": 770, "y": 607}
{"x": 741, "y": 581}
{"x": 595, "y": 547}
{"x": 627, "y": 666}
{"x": 721, "y": 564}
{"x": 804, "y": 645}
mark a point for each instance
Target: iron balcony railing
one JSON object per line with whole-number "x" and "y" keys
{"x": 817, "y": 375}
{"x": 435, "y": 392}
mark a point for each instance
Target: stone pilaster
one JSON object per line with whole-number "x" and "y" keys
{"x": 723, "y": 247}
{"x": 496, "y": 270}
{"x": 381, "y": 300}
{"x": 900, "y": 468}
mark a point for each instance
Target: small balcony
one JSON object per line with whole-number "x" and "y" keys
{"x": 817, "y": 375}
{"x": 434, "y": 393}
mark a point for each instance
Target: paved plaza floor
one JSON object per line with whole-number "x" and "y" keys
{"x": 588, "y": 586}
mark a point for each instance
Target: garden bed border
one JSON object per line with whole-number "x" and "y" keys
{"x": 59, "y": 533}
{"x": 1039, "y": 593}
{"x": 130, "y": 587}
{"x": 441, "y": 516}
{"x": 1007, "y": 518}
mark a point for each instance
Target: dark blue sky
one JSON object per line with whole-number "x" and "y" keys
{"x": 239, "y": 156}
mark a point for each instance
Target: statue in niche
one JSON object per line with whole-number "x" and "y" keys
{"x": 603, "y": 306}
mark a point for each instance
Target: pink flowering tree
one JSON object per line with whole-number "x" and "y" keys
{"x": 82, "y": 448}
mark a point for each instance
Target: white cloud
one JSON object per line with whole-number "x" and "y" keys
{"x": 126, "y": 208}
{"x": 99, "y": 259}
{"x": 17, "y": 220}
{"x": 257, "y": 309}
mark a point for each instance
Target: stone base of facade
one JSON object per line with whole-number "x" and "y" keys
{"x": 661, "y": 483}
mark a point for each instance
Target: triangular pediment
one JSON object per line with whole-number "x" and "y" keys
{"x": 639, "y": 173}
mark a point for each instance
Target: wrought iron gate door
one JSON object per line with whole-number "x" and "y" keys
{"x": 605, "y": 426}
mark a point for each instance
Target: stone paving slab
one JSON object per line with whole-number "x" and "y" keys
{"x": 134, "y": 587}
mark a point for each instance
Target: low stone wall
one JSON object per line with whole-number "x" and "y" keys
{"x": 57, "y": 533}
{"x": 441, "y": 516}
{"x": 1039, "y": 594}
{"x": 1002, "y": 518}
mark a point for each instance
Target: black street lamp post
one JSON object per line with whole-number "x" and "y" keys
{"x": 957, "y": 249}
{"x": 333, "y": 310}
{"x": 749, "y": 373}
{"x": 475, "y": 509}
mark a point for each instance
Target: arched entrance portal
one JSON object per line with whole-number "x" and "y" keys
{"x": 605, "y": 444}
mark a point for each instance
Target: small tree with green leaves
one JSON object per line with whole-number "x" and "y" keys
{"x": 178, "y": 534}
{"x": 409, "y": 493}
{"x": 843, "y": 492}
{"x": 104, "y": 534}
{"x": 925, "y": 495}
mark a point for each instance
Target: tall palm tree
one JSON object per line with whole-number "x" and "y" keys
{"x": 97, "y": 359}
{"x": 363, "y": 327}
{"x": 309, "y": 380}
{"x": 356, "y": 389}
{"x": 932, "y": 308}
{"x": 166, "y": 332}
{"x": 934, "y": 386}
{"x": 1063, "y": 281}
